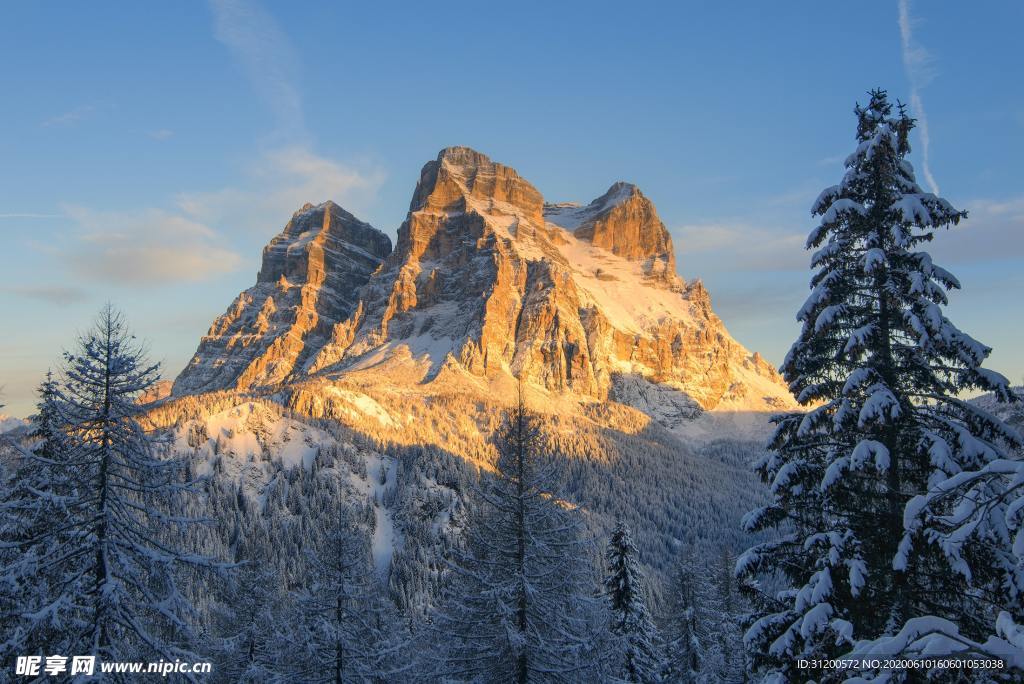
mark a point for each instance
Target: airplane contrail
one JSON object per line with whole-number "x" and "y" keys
{"x": 916, "y": 62}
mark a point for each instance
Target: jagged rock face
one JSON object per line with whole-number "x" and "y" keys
{"x": 324, "y": 246}
{"x": 625, "y": 223}
{"x": 308, "y": 282}
{"x": 460, "y": 173}
{"x": 487, "y": 282}
{"x": 160, "y": 390}
{"x": 454, "y": 283}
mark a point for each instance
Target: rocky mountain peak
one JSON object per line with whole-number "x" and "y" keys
{"x": 308, "y": 281}
{"x": 461, "y": 173}
{"x": 624, "y": 222}
{"x": 486, "y": 284}
{"x": 314, "y": 236}
{"x": 697, "y": 294}
{"x": 619, "y": 192}
{"x": 462, "y": 157}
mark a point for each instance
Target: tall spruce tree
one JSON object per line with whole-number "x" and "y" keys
{"x": 98, "y": 572}
{"x": 46, "y": 424}
{"x": 686, "y": 629}
{"x": 251, "y": 649}
{"x": 881, "y": 370}
{"x": 34, "y": 502}
{"x": 633, "y": 633}
{"x": 519, "y": 608}
{"x": 723, "y": 613}
{"x": 341, "y": 632}
{"x": 975, "y": 519}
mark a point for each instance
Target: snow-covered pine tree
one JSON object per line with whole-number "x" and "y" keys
{"x": 251, "y": 650}
{"x": 975, "y": 519}
{"x": 633, "y": 633}
{"x": 880, "y": 369}
{"x": 46, "y": 424}
{"x": 520, "y": 606}
{"x": 723, "y": 612}
{"x": 34, "y": 505}
{"x": 12, "y": 528}
{"x": 685, "y": 624}
{"x": 105, "y": 574}
{"x": 340, "y": 631}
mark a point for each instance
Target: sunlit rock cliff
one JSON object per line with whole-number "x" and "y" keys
{"x": 487, "y": 285}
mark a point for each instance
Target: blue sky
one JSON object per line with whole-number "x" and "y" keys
{"x": 150, "y": 150}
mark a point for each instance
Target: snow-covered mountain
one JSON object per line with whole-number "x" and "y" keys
{"x": 388, "y": 369}
{"x": 487, "y": 283}
{"x": 9, "y": 423}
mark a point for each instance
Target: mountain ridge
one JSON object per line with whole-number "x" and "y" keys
{"x": 486, "y": 282}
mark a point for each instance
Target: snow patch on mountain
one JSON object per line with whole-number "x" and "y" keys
{"x": 618, "y": 288}
{"x": 571, "y": 215}
{"x": 361, "y": 405}
{"x": 251, "y": 431}
{"x": 386, "y": 539}
{"x": 669, "y": 406}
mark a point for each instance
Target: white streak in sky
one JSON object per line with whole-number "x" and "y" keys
{"x": 31, "y": 216}
{"x": 265, "y": 53}
{"x": 917, "y": 63}
{"x": 70, "y": 118}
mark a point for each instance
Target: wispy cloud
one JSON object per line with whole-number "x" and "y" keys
{"x": 287, "y": 173}
{"x": 196, "y": 237}
{"x": 832, "y": 160}
{"x": 768, "y": 300}
{"x": 30, "y": 216}
{"x": 918, "y": 64}
{"x": 262, "y": 49}
{"x": 738, "y": 246}
{"x": 280, "y": 182}
{"x": 69, "y": 118}
{"x": 994, "y": 231}
{"x": 145, "y": 247}
{"x": 755, "y": 271}
{"x": 798, "y": 197}
{"x": 741, "y": 248}
{"x": 58, "y": 295}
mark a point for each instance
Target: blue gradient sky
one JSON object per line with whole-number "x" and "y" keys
{"x": 151, "y": 149}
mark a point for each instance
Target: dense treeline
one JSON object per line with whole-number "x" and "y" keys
{"x": 273, "y": 568}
